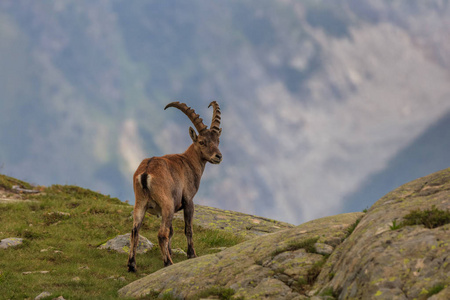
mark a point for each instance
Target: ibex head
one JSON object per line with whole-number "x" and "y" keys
{"x": 207, "y": 140}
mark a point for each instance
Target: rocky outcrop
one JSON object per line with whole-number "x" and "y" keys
{"x": 244, "y": 225}
{"x": 380, "y": 261}
{"x": 273, "y": 266}
{"x": 376, "y": 260}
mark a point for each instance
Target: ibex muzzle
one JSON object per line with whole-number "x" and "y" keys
{"x": 164, "y": 185}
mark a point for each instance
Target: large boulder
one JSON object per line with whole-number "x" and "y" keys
{"x": 376, "y": 260}
{"x": 272, "y": 266}
{"x": 380, "y": 261}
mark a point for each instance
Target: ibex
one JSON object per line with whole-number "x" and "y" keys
{"x": 167, "y": 184}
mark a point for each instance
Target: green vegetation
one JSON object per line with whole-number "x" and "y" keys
{"x": 435, "y": 289}
{"x": 8, "y": 182}
{"x": 220, "y": 292}
{"x": 430, "y": 218}
{"x": 307, "y": 244}
{"x": 329, "y": 292}
{"x": 352, "y": 228}
{"x": 315, "y": 270}
{"x": 395, "y": 225}
{"x": 62, "y": 228}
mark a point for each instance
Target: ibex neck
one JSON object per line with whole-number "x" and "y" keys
{"x": 195, "y": 158}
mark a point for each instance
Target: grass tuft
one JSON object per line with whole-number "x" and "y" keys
{"x": 395, "y": 225}
{"x": 430, "y": 218}
{"x": 307, "y": 244}
{"x": 315, "y": 270}
{"x": 219, "y": 292}
{"x": 352, "y": 228}
{"x": 435, "y": 289}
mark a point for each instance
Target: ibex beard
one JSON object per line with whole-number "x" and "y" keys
{"x": 167, "y": 184}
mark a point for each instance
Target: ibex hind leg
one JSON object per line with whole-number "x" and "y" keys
{"x": 164, "y": 235}
{"x": 138, "y": 218}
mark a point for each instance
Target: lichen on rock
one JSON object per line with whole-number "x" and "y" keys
{"x": 321, "y": 259}
{"x": 10, "y": 242}
{"x": 121, "y": 244}
{"x": 248, "y": 268}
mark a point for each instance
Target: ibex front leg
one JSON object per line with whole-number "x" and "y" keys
{"x": 188, "y": 229}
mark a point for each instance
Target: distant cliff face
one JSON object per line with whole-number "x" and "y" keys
{"x": 314, "y": 94}
{"x": 329, "y": 258}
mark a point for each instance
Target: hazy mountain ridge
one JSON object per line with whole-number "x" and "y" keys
{"x": 313, "y": 94}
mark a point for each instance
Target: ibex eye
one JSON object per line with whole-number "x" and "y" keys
{"x": 202, "y": 143}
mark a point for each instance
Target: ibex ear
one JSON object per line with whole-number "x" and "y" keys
{"x": 193, "y": 134}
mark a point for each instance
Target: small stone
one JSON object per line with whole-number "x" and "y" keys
{"x": 59, "y": 298}
{"x": 121, "y": 279}
{"x": 323, "y": 249}
{"x": 76, "y": 279}
{"x": 42, "y": 295}
{"x": 10, "y": 242}
{"x": 178, "y": 251}
{"x": 35, "y": 272}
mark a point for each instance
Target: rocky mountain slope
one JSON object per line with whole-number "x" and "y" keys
{"x": 313, "y": 93}
{"x": 379, "y": 257}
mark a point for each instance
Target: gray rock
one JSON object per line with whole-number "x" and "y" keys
{"x": 43, "y": 295}
{"x": 254, "y": 269}
{"x": 379, "y": 262}
{"x": 10, "y": 242}
{"x": 178, "y": 251}
{"x": 374, "y": 262}
{"x": 121, "y": 243}
{"x": 323, "y": 249}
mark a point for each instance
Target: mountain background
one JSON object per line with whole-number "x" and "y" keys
{"x": 326, "y": 105}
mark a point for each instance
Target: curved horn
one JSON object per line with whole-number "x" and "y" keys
{"x": 195, "y": 118}
{"x": 215, "y": 123}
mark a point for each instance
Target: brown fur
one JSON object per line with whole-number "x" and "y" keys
{"x": 167, "y": 184}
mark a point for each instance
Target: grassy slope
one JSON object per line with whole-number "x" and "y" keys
{"x": 67, "y": 246}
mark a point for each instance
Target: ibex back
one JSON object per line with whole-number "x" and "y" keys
{"x": 164, "y": 185}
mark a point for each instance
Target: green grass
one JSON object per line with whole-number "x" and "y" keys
{"x": 307, "y": 244}
{"x": 430, "y": 218}
{"x": 435, "y": 289}
{"x": 216, "y": 291}
{"x": 8, "y": 182}
{"x": 66, "y": 245}
{"x": 395, "y": 225}
{"x": 352, "y": 228}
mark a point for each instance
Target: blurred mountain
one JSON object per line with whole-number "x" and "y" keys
{"x": 429, "y": 152}
{"x": 316, "y": 96}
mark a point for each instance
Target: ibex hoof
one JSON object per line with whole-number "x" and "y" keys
{"x": 168, "y": 263}
{"x": 132, "y": 269}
